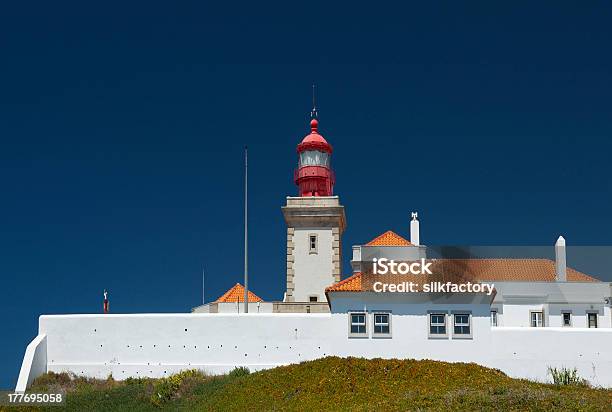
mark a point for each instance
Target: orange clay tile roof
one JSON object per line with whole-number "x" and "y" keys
{"x": 236, "y": 294}
{"x": 389, "y": 238}
{"x": 516, "y": 270}
{"x": 473, "y": 270}
{"x": 350, "y": 284}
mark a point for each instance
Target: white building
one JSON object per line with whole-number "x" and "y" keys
{"x": 529, "y": 292}
{"x": 537, "y": 313}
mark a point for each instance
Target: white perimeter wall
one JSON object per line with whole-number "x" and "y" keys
{"x": 527, "y": 352}
{"x": 157, "y": 345}
{"x": 34, "y": 362}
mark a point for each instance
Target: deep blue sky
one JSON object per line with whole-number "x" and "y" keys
{"x": 122, "y": 127}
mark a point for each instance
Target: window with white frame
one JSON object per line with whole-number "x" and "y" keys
{"x": 357, "y": 326}
{"x": 312, "y": 243}
{"x": 437, "y": 325}
{"x": 494, "y": 318}
{"x": 382, "y": 324}
{"x": 592, "y": 319}
{"x": 537, "y": 319}
{"x": 462, "y": 327}
{"x": 566, "y": 318}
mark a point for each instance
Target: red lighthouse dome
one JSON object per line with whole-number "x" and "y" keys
{"x": 314, "y": 176}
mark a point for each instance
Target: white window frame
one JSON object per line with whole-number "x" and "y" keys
{"x": 316, "y": 298}
{"x": 374, "y": 324}
{"x": 588, "y": 320}
{"x": 430, "y": 324}
{"x": 563, "y": 313}
{"x": 365, "y": 324}
{"x": 468, "y": 325}
{"x": 313, "y": 250}
{"x": 494, "y": 315}
{"x": 531, "y": 314}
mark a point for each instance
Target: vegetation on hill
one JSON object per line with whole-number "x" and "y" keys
{"x": 330, "y": 384}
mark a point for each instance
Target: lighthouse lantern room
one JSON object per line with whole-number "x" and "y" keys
{"x": 314, "y": 176}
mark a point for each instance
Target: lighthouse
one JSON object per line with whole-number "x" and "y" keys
{"x": 315, "y": 222}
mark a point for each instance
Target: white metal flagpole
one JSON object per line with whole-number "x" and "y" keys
{"x": 246, "y": 243}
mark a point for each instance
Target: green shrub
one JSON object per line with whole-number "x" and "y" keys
{"x": 333, "y": 384}
{"x": 135, "y": 381}
{"x": 165, "y": 389}
{"x": 239, "y": 371}
{"x": 53, "y": 378}
{"x": 566, "y": 376}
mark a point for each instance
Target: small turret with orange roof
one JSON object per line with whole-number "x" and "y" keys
{"x": 236, "y": 294}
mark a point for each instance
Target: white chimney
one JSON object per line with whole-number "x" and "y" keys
{"x": 414, "y": 229}
{"x": 560, "y": 260}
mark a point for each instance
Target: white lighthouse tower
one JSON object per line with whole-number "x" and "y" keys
{"x": 315, "y": 223}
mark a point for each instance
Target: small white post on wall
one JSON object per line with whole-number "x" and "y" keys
{"x": 560, "y": 260}
{"x": 414, "y": 230}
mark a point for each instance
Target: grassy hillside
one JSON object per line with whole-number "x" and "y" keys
{"x": 331, "y": 384}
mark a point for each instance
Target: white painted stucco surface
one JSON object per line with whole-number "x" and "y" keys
{"x": 528, "y": 352}
{"x": 515, "y": 300}
{"x": 313, "y": 272}
{"x": 234, "y": 307}
{"x": 157, "y": 345}
{"x": 518, "y": 314}
{"x": 34, "y": 362}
